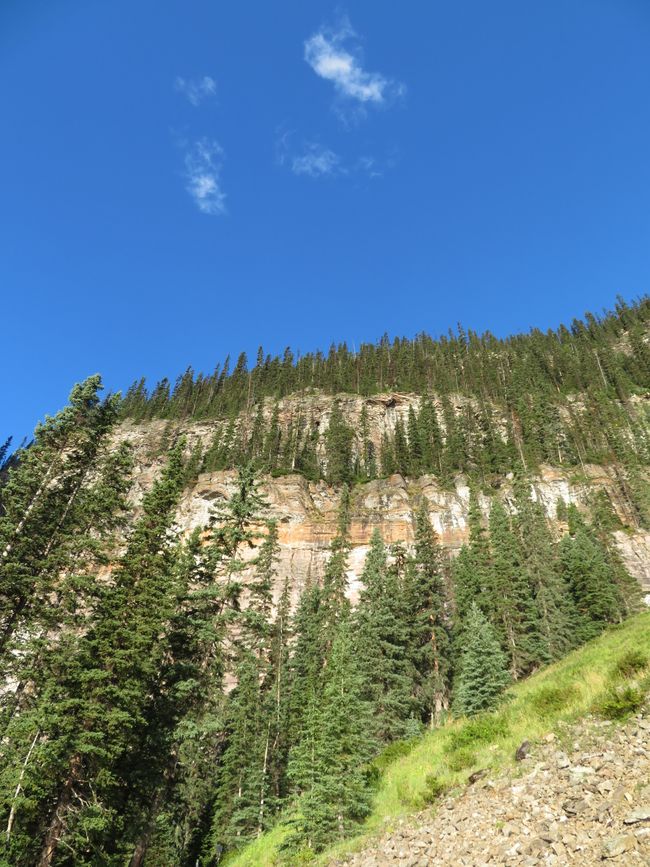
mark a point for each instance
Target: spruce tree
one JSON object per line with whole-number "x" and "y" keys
{"x": 557, "y": 617}
{"x": 483, "y": 667}
{"x": 589, "y": 577}
{"x": 94, "y": 695}
{"x": 430, "y": 437}
{"x": 43, "y": 503}
{"x": 429, "y": 617}
{"x": 510, "y": 604}
{"x": 337, "y": 795}
{"x": 381, "y": 641}
{"x": 338, "y": 448}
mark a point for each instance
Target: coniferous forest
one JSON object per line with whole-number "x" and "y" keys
{"x": 161, "y": 707}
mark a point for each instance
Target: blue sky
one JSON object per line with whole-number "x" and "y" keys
{"x": 183, "y": 180}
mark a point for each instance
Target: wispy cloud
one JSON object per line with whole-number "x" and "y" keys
{"x": 370, "y": 166}
{"x": 203, "y": 165}
{"x": 196, "y": 89}
{"x": 327, "y": 56}
{"x": 316, "y": 161}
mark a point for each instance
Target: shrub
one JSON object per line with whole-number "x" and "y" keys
{"x": 461, "y": 759}
{"x": 303, "y": 856}
{"x": 550, "y": 699}
{"x": 434, "y": 788}
{"x": 480, "y": 730}
{"x": 619, "y": 702}
{"x": 630, "y": 663}
{"x": 393, "y": 751}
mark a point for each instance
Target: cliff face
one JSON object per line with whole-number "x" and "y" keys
{"x": 306, "y": 512}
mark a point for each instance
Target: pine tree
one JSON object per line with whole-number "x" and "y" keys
{"x": 94, "y": 691}
{"x": 381, "y": 641}
{"x": 430, "y": 438}
{"x": 415, "y": 467}
{"x": 483, "y": 670}
{"x": 511, "y": 607}
{"x": 430, "y": 639}
{"x": 43, "y": 502}
{"x": 334, "y": 602}
{"x": 241, "y": 768}
{"x": 330, "y": 757}
{"x": 277, "y": 687}
{"x": 387, "y": 456}
{"x": 257, "y": 615}
{"x": 557, "y": 618}
{"x": 369, "y": 462}
{"x": 401, "y": 446}
{"x": 338, "y": 448}
{"x": 471, "y": 568}
{"x": 604, "y": 523}
{"x": 589, "y": 577}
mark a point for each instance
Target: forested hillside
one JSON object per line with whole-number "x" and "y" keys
{"x": 166, "y": 699}
{"x": 564, "y": 397}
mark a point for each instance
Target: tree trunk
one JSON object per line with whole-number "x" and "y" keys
{"x": 12, "y": 813}
{"x": 58, "y": 823}
{"x": 260, "y": 822}
{"x": 140, "y": 851}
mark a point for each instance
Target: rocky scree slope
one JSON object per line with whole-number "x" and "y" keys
{"x": 581, "y": 797}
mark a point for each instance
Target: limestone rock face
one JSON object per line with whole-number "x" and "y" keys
{"x": 306, "y": 512}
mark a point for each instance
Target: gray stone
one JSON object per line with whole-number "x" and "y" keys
{"x": 642, "y": 814}
{"x": 561, "y": 761}
{"x": 618, "y": 846}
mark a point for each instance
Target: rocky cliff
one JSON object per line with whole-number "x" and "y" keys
{"x": 306, "y": 511}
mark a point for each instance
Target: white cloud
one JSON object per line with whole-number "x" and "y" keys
{"x": 325, "y": 53}
{"x": 316, "y": 161}
{"x": 196, "y": 89}
{"x": 203, "y": 164}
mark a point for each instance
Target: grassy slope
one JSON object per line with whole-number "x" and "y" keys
{"x": 534, "y": 707}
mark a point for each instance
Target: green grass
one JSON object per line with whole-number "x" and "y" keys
{"x": 442, "y": 760}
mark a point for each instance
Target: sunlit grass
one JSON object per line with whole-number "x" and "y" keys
{"x": 445, "y": 757}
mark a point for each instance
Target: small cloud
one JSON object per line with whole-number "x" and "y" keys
{"x": 316, "y": 162}
{"x": 196, "y": 89}
{"x": 327, "y": 56}
{"x": 370, "y": 167}
{"x": 282, "y": 142}
{"x": 203, "y": 164}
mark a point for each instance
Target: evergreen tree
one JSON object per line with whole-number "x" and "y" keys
{"x": 329, "y": 759}
{"x": 334, "y": 602}
{"x": 44, "y": 500}
{"x": 557, "y": 617}
{"x": 338, "y": 448}
{"x": 471, "y": 568}
{"x": 381, "y": 642}
{"x": 511, "y": 606}
{"x": 401, "y": 449}
{"x": 589, "y": 577}
{"x": 428, "y": 615}
{"x": 415, "y": 445}
{"x": 241, "y": 769}
{"x": 93, "y": 698}
{"x": 483, "y": 673}
{"x": 430, "y": 438}
{"x": 369, "y": 462}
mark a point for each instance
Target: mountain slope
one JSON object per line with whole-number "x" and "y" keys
{"x": 549, "y": 702}
{"x": 223, "y": 603}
